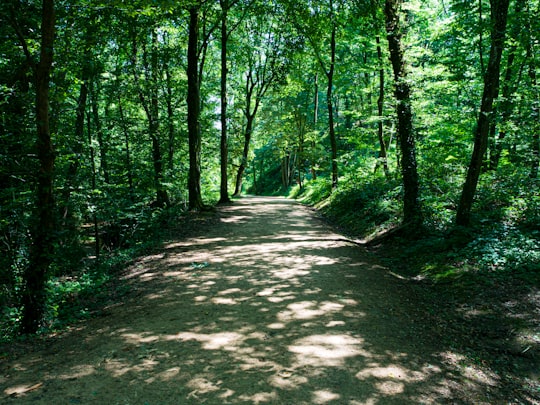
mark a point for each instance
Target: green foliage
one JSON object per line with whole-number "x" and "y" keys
{"x": 106, "y": 161}
{"x": 314, "y": 192}
{"x": 362, "y": 208}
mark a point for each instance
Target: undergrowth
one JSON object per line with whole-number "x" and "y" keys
{"x": 78, "y": 293}
{"x": 502, "y": 244}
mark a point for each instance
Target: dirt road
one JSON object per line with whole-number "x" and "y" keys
{"x": 270, "y": 306}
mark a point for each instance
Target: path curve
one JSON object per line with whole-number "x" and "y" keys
{"x": 270, "y": 306}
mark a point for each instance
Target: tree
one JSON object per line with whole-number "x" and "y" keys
{"x": 151, "y": 108}
{"x": 535, "y": 107}
{"x": 499, "y": 14}
{"x": 266, "y": 64}
{"x": 412, "y": 213}
{"x": 380, "y": 109}
{"x": 35, "y": 276}
{"x": 313, "y": 24}
{"x": 194, "y": 111}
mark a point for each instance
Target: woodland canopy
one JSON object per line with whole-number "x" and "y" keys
{"x": 120, "y": 117}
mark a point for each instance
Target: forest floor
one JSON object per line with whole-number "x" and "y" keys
{"x": 264, "y": 303}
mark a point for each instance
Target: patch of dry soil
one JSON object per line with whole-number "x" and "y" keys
{"x": 270, "y": 306}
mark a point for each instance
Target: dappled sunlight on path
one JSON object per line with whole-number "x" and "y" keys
{"x": 269, "y": 307}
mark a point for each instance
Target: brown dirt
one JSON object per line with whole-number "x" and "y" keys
{"x": 268, "y": 306}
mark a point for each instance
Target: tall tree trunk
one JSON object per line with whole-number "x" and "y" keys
{"x": 170, "y": 117}
{"x": 151, "y": 108}
{"x": 535, "y": 107}
{"x": 508, "y": 88}
{"x": 94, "y": 96}
{"x": 412, "y": 213}
{"x": 194, "y": 104}
{"x": 80, "y": 112}
{"x": 316, "y": 101}
{"x": 315, "y": 118}
{"x": 224, "y": 151}
{"x": 380, "y": 108}
{"x": 329, "y": 103}
{"x": 162, "y": 198}
{"x": 499, "y": 14}
{"x": 245, "y": 155}
{"x": 41, "y": 252}
{"x": 481, "y": 36}
{"x": 123, "y": 124}
{"x": 97, "y": 247}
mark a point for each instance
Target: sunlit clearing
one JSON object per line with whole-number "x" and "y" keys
{"x": 308, "y": 310}
{"x": 214, "y": 341}
{"x": 259, "y": 398}
{"x": 224, "y": 301}
{"x": 136, "y": 338}
{"x": 201, "y": 386}
{"x": 390, "y": 387}
{"x": 332, "y": 324}
{"x": 194, "y": 242}
{"x": 392, "y": 372}
{"x": 277, "y": 325}
{"x": 21, "y": 390}
{"x": 323, "y": 397}
{"x": 234, "y": 219}
{"x": 327, "y": 350}
{"x": 230, "y": 291}
{"x": 287, "y": 380}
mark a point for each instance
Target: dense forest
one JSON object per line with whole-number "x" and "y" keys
{"x": 415, "y": 119}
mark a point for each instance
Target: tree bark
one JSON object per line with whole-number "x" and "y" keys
{"x": 508, "y": 88}
{"x": 162, "y": 198}
{"x": 245, "y": 154}
{"x": 499, "y": 14}
{"x": 170, "y": 117}
{"x": 194, "y": 105}
{"x": 329, "y": 104}
{"x": 150, "y": 104}
{"x": 129, "y": 169}
{"x": 383, "y": 159}
{"x": 94, "y": 96}
{"x": 412, "y": 213}
{"x": 224, "y": 151}
{"x": 259, "y": 78}
{"x": 41, "y": 253}
{"x": 316, "y": 101}
{"x": 80, "y": 113}
{"x": 535, "y": 107}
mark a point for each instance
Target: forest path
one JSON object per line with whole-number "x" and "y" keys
{"x": 270, "y": 306}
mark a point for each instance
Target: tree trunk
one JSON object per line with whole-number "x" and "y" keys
{"x": 329, "y": 104}
{"x": 94, "y": 187}
{"x": 380, "y": 108}
{"x": 80, "y": 113}
{"x": 245, "y": 154}
{"x": 151, "y": 109}
{"x": 94, "y": 93}
{"x": 507, "y": 104}
{"x": 194, "y": 104}
{"x": 162, "y": 198}
{"x": 129, "y": 169}
{"x": 41, "y": 252}
{"x": 412, "y": 213}
{"x": 170, "y": 118}
{"x": 499, "y": 13}
{"x": 315, "y": 118}
{"x": 224, "y": 152}
{"x": 535, "y": 107}
{"x": 316, "y": 101}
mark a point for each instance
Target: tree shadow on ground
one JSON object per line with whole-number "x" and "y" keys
{"x": 268, "y": 306}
